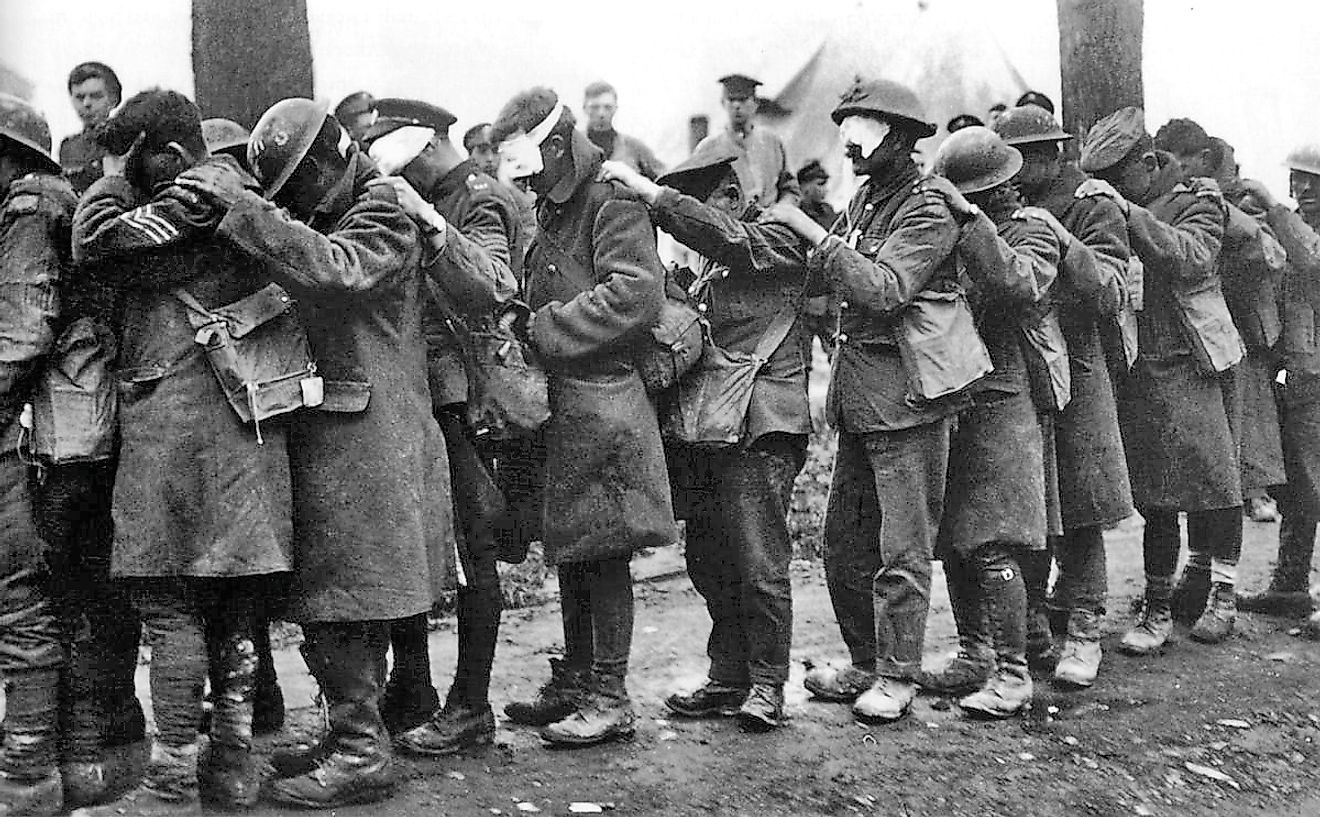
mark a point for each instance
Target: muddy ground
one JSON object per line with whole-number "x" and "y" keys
{"x": 1138, "y": 743}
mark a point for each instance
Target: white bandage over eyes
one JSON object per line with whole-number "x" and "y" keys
{"x": 395, "y": 150}
{"x": 520, "y": 154}
{"x": 863, "y": 131}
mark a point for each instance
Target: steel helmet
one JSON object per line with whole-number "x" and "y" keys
{"x": 885, "y": 98}
{"x": 977, "y": 159}
{"x": 1305, "y": 158}
{"x": 22, "y": 123}
{"x": 282, "y": 138}
{"x": 1027, "y": 124}
{"x": 224, "y": 134}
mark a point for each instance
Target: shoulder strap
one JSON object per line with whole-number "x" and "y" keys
{"x": 777, "y": 331}
{"x": 198, "y": 315}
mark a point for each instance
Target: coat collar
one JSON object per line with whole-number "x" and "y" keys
{"x": 456, "y": 177}
{"x": 587, "y": 159}
{"x": 901, "y": 179}
{"x": 344, "y": 193}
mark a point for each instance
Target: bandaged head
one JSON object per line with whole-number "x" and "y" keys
{"x": 520, "y": 153}
{"x": 395, "y": 150}
{"x": 866, "y": 132}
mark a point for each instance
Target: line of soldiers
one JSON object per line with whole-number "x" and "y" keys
{"x": 1025, "y": 353}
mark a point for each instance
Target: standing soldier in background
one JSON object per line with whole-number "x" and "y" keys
{"x": 201, "y": 506}
{"x": 1094, "y": 491}
{"x": 894, "y": 246}
{"x": 1299, "y": 398}
{"x": 599, "y": 104}
{"x": 473, "y": 229}
{"x": 1173, "y": 408}
{"x": 372, "y": 510}
{"x": 762, "y": 160}
{"x": 95, "y": 91}
{"x": 36, "y": 207}
{"x": 596, "y": 285}
{"x": 476, "y": 141}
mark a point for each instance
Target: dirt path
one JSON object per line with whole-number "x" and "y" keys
{"x": 1130, "y": 746}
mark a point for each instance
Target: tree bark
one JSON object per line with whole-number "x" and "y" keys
{"x": 248, "y": 55}
{"x": 1100, "y": 58}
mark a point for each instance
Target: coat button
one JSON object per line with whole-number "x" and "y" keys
{"x": 870, "y": 205}
{"x": 724, "y": 274}
{"x": 843, "y": 304}
{"x": 552, "y": 268}
{"x": 843, "y": 338}
{"x": 701, "y": 307}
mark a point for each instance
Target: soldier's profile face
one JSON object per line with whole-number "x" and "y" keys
{"x": 600, "y": 111}
{"x": 1305, "y": 190}
{"x": 813, "y": 190}
{"x": 92, "y": 101}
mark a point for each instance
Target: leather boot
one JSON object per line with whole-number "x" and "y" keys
{"x": 1080, "y": 662}
{"x": 1216, "y": 623}
{"x": 120, "y": 768}
{"x": 560, "y": 697}
{"x": 42, "y": 797}
{"x": 355, "y": 764}
{"x": 971, "y": 666}
{"x": 886, "y": 701}
{"x": 456, "y": 728}
{"x": 836, "y": 684}
{"x": 606, "y": 715}
{"x": 227, "y": 778}
{"x": 1190, "y": 594}
{"x": 1288, "y": 594}
{"x": 168, "y": 789}
{"x": 763, "y": 709}
{"x": 1004, "y": 598}
{"x": 1155, "y": 625}
{"x": 711, "y": 700}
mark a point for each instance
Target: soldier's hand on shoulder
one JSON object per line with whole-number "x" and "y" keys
{"x": 409, "y": 199}
{"x": 1257, "y": 191}
{"x": 1060, "y": 232}
{"x": 112, "y": 165}
{"x": 961, "y": 208}
{"x": 792, "y": 217}
{"x": 221, "y": 183}
{"x": 1100, "y": 187}
{"x": 612, "y": 171}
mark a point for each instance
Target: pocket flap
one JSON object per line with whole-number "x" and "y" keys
{"x": 346, "y": 396}
{"x": 140, "y": 374}
{"x": 248, "y": 313}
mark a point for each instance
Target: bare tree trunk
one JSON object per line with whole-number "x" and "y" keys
{"x": 248, "y": 55}
{"x": 1100, "y": 57}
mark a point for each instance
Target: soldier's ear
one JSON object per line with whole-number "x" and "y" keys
{"x": 555, "y": 146}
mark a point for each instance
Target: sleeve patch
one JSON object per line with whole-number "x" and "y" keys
{"x": 146, "y": 221}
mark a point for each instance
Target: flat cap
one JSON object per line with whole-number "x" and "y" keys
{"x": 394, "y": 113}
{"x": 739, "y": 85}
{"x": 1112, "y": 138}
{"x": 698, "y": 174}
{"x": 884, "y": 98}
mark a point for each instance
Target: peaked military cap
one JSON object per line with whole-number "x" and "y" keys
{"x": 1036, "y": 98}
{"x": 739, "y": 85}
{"x": 1112, "y": 138}
{"x": 698, "y": 174}
{"x": 963, "y": 120}
{"x": 394, "y": 113}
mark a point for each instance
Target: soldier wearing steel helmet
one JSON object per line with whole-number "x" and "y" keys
{"x": 36, "y": 207}
{"x": 995, "y": 501}
{"x": 1094, "y": 490}
{"x": 1299, "y": 395}
{"x": 893, "y": 247}
{"x": 201, "y": 509}
{"x": 370, "y": 474}
{"x": 1174, "y": 407}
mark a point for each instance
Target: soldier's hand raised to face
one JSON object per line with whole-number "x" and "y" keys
{"x": 1257, "y": 190}
{"x": 222, "y": 183}
{"x": 112, "y": 165}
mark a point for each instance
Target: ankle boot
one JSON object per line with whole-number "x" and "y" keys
{"x": 168, "y": 789}
{"x": 837, "y": 684}
{"x": 971, "y": 666}
{"x": 1288, "y": 594}
{"x": 1216, "y": 623}
{"x": 355, "y": 764}
{"x": 456, "y": 728}
{"x": 1190, "y": 593}
{"x": 1155, "y": 625}
{"x": 886, "y": 701}
{"x": 1004, "y": 598}
{"x": 119, "y": 769}
{"x": 560, "y": 697}
{"x": 1080, "y": 662}
{"x": 606, "y": 715}
{"x": 42, "y": 797}
{"x": 227, "y": 777}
